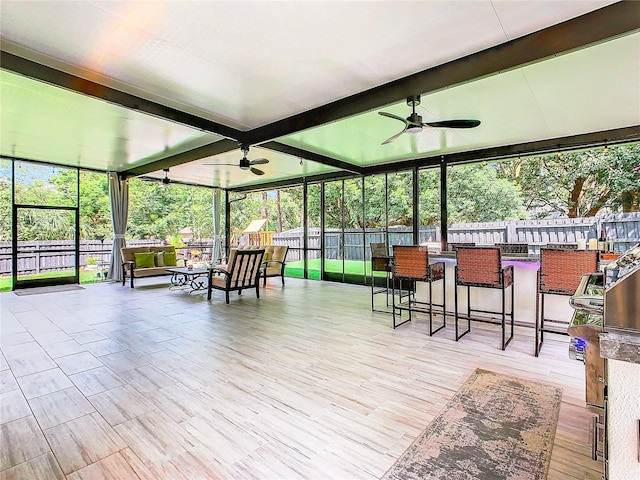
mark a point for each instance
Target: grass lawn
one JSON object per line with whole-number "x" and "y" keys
{"x": 353, "y": 267}
{"x": 6, "y": 282}
{"x": 292, "y": 269}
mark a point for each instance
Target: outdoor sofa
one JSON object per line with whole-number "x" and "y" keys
{"x": 150, "y": 261}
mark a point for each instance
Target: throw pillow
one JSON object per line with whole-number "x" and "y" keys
{"x": 160, "y": 259}
{"x": 144, "y": 260}
{"x": 169, "y": 259}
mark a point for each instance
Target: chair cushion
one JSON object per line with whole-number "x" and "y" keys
{"x": 218, "y": 281}
{"x": 279, "y": 252}
{"x": 232, "y": 255}
{"x": 144, "y": 260}
{"x": 159, "y": 259}
{"x": 162, "y": 248}
{"x": 129, "y": 252}
{"x": 169, "y": 259}
{"x": 274, "y": 270}
{"x": 150, "y": 272}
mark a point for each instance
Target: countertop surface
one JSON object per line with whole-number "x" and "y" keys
{"x": 506, "y": 257}
{"x": 620, "y": 345}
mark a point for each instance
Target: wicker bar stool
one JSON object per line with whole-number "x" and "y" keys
{"x": 380, "y": 262}
{"x": 482, "y": 267}
{"x": 559, "y": 274}
{"x": 411, "y": 264}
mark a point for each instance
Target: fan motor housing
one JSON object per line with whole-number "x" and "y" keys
{"x": 415, "y": 123}
{"x": 413, "y": 100}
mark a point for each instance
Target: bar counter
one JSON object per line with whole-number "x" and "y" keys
{"x": 525, "y": 269}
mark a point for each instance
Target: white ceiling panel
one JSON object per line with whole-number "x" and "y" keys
{"x": 590, "y": 90}
{"x": 46, "y": 123}
{"x": 249, "y": 63}
{"x": 210, "y": 171}
{"x": 519, "y": 18}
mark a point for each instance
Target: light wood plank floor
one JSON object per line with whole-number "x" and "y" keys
{"x": 110, "y": 382}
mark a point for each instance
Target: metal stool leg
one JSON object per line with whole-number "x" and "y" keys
{"x": 504, "y": 308}
{"x": 536, "y": 349}
{"x": 455, "y": 309}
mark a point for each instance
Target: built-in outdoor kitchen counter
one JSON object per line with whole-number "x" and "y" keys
{"x": 525, "y": 280}
{"x": 506, "y": 257}
{"x": 606, "y": 336}
{"x": 622, "y": 351}
{"x": 620, "y": 346}
{"x": 525, "y": 270}
{"x": 624, "y": 347}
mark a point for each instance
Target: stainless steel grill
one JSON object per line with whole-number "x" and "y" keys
{"x": 585, "y": 328}
{"x": 603, "y": 302}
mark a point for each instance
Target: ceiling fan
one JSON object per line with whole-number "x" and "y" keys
{"x": 414, "y": 124}
{"x": 245, "y": 163}
{"x": 166, "y": 180}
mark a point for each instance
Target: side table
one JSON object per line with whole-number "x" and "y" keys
{"x": 192, "y": 280}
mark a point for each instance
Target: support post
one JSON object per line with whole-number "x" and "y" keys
{"x": 416, "y": 204}
{"x": 227, "y": 223}
{"x": 443, "y": 206}
{"x": 305, "y": 229}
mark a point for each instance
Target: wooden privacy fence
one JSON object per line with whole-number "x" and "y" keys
{"x": 353, "y": 244}
{"x": 623, "y": 228}
{"x": 42, "y": 256}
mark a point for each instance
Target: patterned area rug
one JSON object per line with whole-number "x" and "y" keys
{"x": 496, "y": 427}
{"x": 49, "y": 289}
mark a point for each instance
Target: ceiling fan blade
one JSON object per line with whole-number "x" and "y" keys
{"x": 454, "y": 124}
{"x": 391, "y": 139}
{"x": 391, "y": 115}
{"x": 259, "y": 161}
{"x": 256, "y": 171}
{"x": 221, "y": 164}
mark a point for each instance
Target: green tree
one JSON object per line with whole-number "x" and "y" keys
{"x": 5, "y": 200}
{"x": 290, "y": 208}
{"x": 375, "y": 201}
{"x": 477, "y": 194}
{"x": 95, "y": 211}
{"x": 161, "y": 211}
{"x": 245, "y": 210}
{"x": 400, "y": 198}
{"x": 578, "y": 184}
{"x": 429, "y": 208}
{"x": 353, "y": 203}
